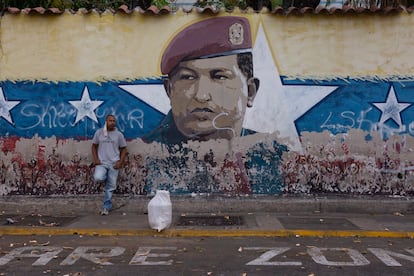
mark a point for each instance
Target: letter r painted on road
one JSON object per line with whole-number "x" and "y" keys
{"x": 93, "y": 254}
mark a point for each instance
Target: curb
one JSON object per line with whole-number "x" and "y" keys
{"x": 213, "y": 204}
{"x": 25, "y": 231}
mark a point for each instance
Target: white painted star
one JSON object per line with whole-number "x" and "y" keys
{"x": 391, "y": 108}
{"x": 276, "y": 106}
{"x": 152, "y": 94}
{"x": 6, "y": 106}
{"x": 86, "y": 106}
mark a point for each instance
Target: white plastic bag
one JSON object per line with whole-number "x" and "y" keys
{"x": 160, "y": 210}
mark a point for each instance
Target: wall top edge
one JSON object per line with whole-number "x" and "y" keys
{"x": 304, "y": 78}
{"x": 209, "y": 9}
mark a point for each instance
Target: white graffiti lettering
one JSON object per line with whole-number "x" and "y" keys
{"x": 411, "y": 128}
{"x": 136, "y": 116}
{"x": 327, "y": 125}
{"x": 49, "y": 115}
{"x": 361, "y": 122}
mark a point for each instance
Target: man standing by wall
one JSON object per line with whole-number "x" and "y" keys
{"x": 108, "y": 152}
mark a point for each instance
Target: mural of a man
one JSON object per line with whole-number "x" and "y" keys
{"x": 208, "y": 69}
{"x": 209, "y": 81}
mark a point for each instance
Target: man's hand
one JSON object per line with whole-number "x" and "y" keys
{"x": 118, "y": 165}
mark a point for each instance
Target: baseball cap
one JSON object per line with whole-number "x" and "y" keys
{"x": 213, "y": 37}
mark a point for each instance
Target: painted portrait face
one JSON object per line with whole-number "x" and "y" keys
{"x": 209, "y": 97}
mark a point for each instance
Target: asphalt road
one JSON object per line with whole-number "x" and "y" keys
{"x": 129, "y": 255}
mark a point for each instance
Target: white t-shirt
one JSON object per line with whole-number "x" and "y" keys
{"x": 108, "y": 146}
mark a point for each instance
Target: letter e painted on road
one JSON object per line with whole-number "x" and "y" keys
{"x": 140, "y": 257}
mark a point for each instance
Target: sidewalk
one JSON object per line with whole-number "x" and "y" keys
{"x": 271, "y": 217}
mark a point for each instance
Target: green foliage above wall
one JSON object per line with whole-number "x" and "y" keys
{"x": 257, "y": 5}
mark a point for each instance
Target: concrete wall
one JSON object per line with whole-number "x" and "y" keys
{"x": 334, "y": 111}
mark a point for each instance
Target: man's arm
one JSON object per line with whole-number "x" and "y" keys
{"x": 122, "y": 156}
{"x": 95, "y": 157}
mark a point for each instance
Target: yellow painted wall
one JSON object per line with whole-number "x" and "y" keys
{"x": 119, "y": 46}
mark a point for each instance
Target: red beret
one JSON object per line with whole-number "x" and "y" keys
{"x": 213, "y": 37}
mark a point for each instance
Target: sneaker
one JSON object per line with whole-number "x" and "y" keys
{"x": 104, "y": 212}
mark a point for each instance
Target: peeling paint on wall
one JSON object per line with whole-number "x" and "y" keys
{"x": 351, "y": 165}
{"x": 48, "y": 166}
